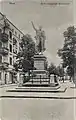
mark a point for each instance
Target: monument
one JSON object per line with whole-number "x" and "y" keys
{"x": 40, "y": 39}
{"x": 40, "y": 61}
{"x": 39, "y": 58}
{"x": 40, "y": 76}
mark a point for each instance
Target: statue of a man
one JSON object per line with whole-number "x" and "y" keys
{"x": 40, "y": 39}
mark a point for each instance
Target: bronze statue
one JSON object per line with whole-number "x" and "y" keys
{"x": 40, "y": 39}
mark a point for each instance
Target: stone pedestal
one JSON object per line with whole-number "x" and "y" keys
{"x": 40, "y": 62}
{"x": 21, "y": 80}
{"x": 40, "y": 72}
{"x": 40, "y": 76}
{"x": 53, "y": 80}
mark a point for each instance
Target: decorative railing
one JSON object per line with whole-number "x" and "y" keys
{"x": 4, "y": 51}
{"x": 4, "y": 66}
{"x": 4, "y": 37}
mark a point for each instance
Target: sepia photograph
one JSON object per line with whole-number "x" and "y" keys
{"x": 37, "y": 59}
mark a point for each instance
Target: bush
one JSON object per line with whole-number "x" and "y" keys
{"x": 26, "y": 79}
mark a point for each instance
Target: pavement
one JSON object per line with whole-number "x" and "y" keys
{"x": 7, "y": 85}
{"x": 38, "y": 106}
{"x": 69, "y": 93}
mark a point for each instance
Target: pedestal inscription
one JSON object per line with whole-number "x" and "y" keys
{"x": 39, "y": 62}
{"x": 39, "y": 65}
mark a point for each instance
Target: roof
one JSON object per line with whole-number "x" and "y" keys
{"x": 12, "y": 24}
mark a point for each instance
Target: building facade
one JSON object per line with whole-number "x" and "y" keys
{"x": 10, "y": 37}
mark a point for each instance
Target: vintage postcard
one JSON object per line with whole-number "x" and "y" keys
{"x": 37, "y": 59}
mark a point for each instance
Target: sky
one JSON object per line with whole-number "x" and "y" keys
{"x": 53, "y": 19}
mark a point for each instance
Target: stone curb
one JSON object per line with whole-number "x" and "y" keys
{"x": 48, "y": 97}
{"x": 8, "y": 85}
{"x": 38, "y": 91}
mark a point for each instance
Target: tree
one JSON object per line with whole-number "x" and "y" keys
{"x": 67, "y": 53}
{"x": 24, "y": 57}
{"x": 52, "y": 69}
{"x": 60, "y": 71}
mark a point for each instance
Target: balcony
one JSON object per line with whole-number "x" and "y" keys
{"x": 4, "y": 37}
{"x": 4, "y": 51}
{"x": 4, "y": 66}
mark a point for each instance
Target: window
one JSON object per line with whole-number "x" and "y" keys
{"x": 0, "y": 59}
{"x": 0, "y": 44}
{"x": 10, "y": 47}
{"x": 10, "y": 35}
{"x": 10, "y": 61}
{"x": 14, "y": 41}
{"x": 19, "y": 36}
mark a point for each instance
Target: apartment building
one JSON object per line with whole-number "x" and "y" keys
{"x": 10, "y": 37}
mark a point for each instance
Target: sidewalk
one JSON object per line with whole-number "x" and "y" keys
{"x": 70, "y": 93}
{"x": 7, "y": 85}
